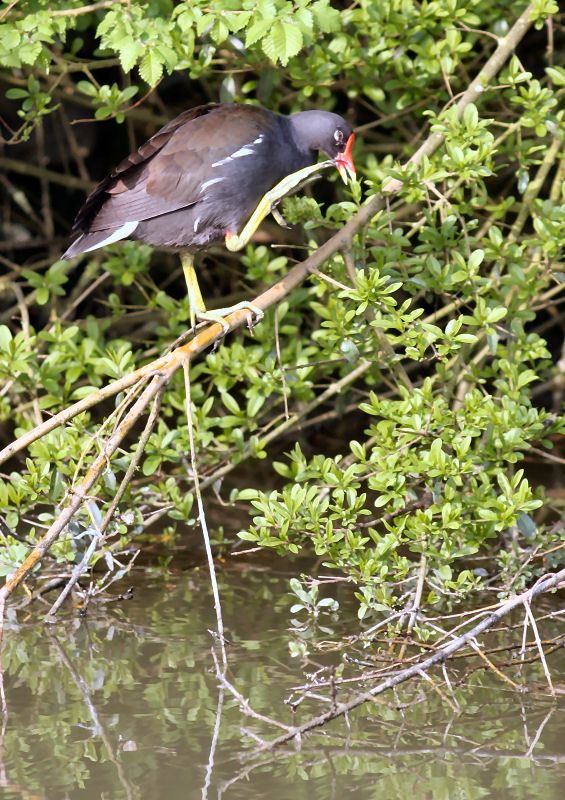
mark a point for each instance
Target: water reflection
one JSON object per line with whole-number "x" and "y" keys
{"x": 125, "y": 704}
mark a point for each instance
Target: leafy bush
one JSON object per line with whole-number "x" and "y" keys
{"x": 439, "y": 325}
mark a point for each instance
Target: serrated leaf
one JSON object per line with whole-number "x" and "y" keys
{"x": 305, "y": 19}
{"x": 128, "y": 52}
{"x": 283, "y": 42}
{"x": 257, "y": 31}
{"x": 328, "y": 19}
{"x": 151, "y": 68}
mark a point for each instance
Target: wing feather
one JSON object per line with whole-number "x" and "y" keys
{"x": 167, "y": 172}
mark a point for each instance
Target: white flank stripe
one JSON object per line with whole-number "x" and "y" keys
{"x": 246, "y": 150}
{"x": 196, "y": 222}
{"x": 243, "y": 151}
{"x": 206, "y": 184}
{"x": 126, "y": 229}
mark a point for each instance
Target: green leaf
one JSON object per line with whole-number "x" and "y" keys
{"x": 5, "y": 337}
{"x": 283, "y": 42}
{"x": 128, "y": 52}
{"x": 476, "y": 259}
{"x": 328, "y": 19}
{"x": 151, "y": 68}
{"x": 496, "y": 314}
{"x": 255, "y": 404}
{"x": 230, "y": 403}
{"x": 42, "y": 295}
{"x": 257, "y": 31}
{"x": 16, "y": 94}
{"x": 557, "y": 75}
{"x": 151, "y": 464}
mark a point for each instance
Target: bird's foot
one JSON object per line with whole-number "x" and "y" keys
{"x": 219, "y": 315}
{"x": 214, "y": 316}
{"x": 256, "y": 314}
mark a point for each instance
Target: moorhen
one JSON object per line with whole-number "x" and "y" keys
{"x": 202, "y": 176}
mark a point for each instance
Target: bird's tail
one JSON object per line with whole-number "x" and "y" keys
{"x": 92, "y": 241}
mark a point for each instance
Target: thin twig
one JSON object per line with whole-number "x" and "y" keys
{"x": 80, "y": 492}
{"x": 539, "y": 645}
{"x": 77, "y": 12}
{"x": 96, "y": 540}
{"x": 439, "y": 657}
{"x": 281, "y": 365}
{"x": 26, "y": 168}
{"x": 202, "y": 515}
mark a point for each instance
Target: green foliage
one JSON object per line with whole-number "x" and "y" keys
{"x": 439, "y": 325}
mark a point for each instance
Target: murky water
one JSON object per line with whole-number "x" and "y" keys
{"x": 125, "y": 704}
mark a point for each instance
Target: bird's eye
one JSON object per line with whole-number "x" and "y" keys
{"x": 338, "y": 136}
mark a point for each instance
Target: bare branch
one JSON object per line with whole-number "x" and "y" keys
{"x": 439, "y": 657}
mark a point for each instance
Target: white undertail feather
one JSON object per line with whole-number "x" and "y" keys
{"x": 121, "y": 233}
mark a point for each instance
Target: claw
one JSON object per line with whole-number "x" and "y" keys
{"x": 278, "y": 217}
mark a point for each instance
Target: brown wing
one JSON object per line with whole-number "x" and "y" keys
{"x": 167, "y": 172}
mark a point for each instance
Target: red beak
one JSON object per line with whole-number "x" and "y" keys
{"x": 344, "y": 161}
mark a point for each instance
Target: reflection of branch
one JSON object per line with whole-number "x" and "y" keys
{"x": 316, "y": 756}
{"x": 414, "y": 670}
{"x": 243, "y": 702}
{"x": 214, "y": 743}
{"x": 202, "y": 516}
{"x": 99, "y": 729}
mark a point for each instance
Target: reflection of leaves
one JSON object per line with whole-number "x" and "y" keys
{"x": 150, "y": 660}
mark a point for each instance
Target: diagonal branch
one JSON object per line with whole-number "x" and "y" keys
{"x": 340, "y": 241}
{"x": 546, "y": 584}
{"x": 161, "y": 370}
{"x": 80, "y": 492}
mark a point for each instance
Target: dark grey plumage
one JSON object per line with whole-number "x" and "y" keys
{"x": 202, "y": 175}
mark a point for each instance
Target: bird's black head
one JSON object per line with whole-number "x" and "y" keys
{"x": 330, "y": 133}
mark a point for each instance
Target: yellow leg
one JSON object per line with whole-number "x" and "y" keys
{"x": 196, "y": 303}
{"x": 237, "y": 242}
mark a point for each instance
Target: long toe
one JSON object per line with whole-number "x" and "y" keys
{"x": 243, "y": 306}
{"x": 215, "y": 316}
